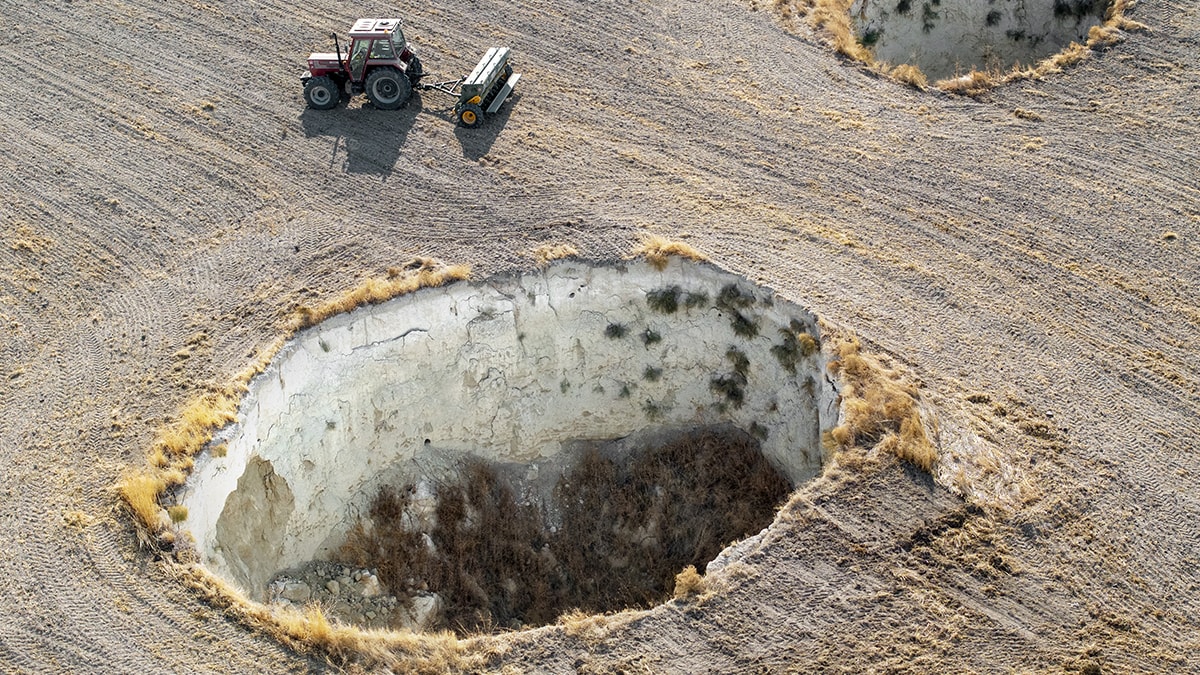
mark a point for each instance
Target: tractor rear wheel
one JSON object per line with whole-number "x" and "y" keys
{"x": 415, "y": 71}
{"x": 388, "y": 88}
{"x": 321, "y": 93}
{"x": 470, "y": 115}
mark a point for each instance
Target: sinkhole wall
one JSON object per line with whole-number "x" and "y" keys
{"x": 946, "y": 38}
{"x": 515, "y": 370}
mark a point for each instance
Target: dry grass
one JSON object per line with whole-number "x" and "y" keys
{"x": 140, "y": 491}
{"x": 178, "y": 513}
{"x": 172, "y": 454}
{"x": 1072, "y": 54}
{"x": 593, "y": 628}
{"x": 689, "y": 583}
{"x": 421, "y": 273}
{"x": 657, "y": 250}
{"x": 546, "y": 253}
{"x": 910, "y": 75}
{"x": 973, "y": 83}
{"x": 879, "y": 408}
{"x": 1103, "y": 37}
{"x": 790, "y": 9}
{"x": 310, "y": 631}
{"x": 833, "y": 17}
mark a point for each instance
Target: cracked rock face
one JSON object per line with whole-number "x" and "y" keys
{"x": 945, "y": 38}
{"x": 516, "y": 371}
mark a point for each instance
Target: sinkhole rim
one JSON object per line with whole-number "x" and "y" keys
{"x": 842, "y": 30}
{"x": 676, "y": 266}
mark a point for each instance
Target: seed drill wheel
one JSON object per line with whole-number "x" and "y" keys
{"x": 388, "y": 88}
{"x": 470, "y": 115}
{"x": 322, "y": 93}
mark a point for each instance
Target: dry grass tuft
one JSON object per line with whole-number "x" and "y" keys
{"x": 172, "y": 454}
{"x": 178, "y": 513}
{"x": 421, "y": 273}
{"x": 657, "y": 250}
{"x": 910, "y": 75}
{"x": 1074, "y": 53}
{"x": 973, "y": 83}
{"x": 197, "y": 422}
{"x": 1115, "y": 16}
{"x": 689, "y": 583}
{"x": 1103, "y": 37}
{"x": 879, "y": 409}
{"x": 140, "y": 491}
{"x": 546, "y": 253}
{"x": 833, "y": 17}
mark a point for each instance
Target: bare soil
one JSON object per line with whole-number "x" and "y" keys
{"x": 1031, "y": 255}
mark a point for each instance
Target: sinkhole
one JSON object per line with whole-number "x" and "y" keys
{"x": 948, "y": 38}
{"x": 488, "y": 455}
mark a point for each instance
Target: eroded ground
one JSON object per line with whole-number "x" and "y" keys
{"x": 1030, "y": 255}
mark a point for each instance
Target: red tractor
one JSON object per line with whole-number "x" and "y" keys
{"x": 379, "y": 62}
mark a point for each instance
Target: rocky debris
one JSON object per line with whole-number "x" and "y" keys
{"x": 295, "y": 591}
{"x": 354, "y": 596}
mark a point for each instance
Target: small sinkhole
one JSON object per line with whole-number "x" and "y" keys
{"x": 948, "y": 38}
{"x": 491, "y": 455}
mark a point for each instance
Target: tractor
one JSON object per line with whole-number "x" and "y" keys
{"x": 378, "y": 62}
{"x": 382, "y": 65}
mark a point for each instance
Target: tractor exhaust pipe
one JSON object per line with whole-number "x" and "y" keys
{"x": 337, "y": 47}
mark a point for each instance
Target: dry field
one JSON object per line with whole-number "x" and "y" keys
{"x": 1031, "y": 255}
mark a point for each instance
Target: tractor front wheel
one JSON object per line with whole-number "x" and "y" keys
{"x": 470, "y": 115}
{"x": 322, "y": 93}
{"x": 388, "y": 88}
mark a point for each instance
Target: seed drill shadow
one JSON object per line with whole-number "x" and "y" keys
{"x": 478, "y": 142}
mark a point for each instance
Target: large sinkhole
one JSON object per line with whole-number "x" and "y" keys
{"x": 492, "y": 454}
{"x": 946, "y": 38}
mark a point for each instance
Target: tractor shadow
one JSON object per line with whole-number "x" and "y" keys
{"x": 367, "y": 140}
{"x": 478, "y": 142}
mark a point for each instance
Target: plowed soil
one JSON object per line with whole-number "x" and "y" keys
{"x": 1031, "y": 255}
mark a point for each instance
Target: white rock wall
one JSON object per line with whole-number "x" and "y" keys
{"x": 950, "y": 37}
{"x": 508, "y": 369}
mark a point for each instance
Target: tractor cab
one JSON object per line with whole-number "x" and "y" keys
{"x": 375, "y": 41}
{"x": 378, "y": 61}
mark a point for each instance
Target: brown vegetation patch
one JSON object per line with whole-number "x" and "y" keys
{"x": 616, "y": 534}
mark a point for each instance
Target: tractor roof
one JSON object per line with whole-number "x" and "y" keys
{"x": 370, "y": 28}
